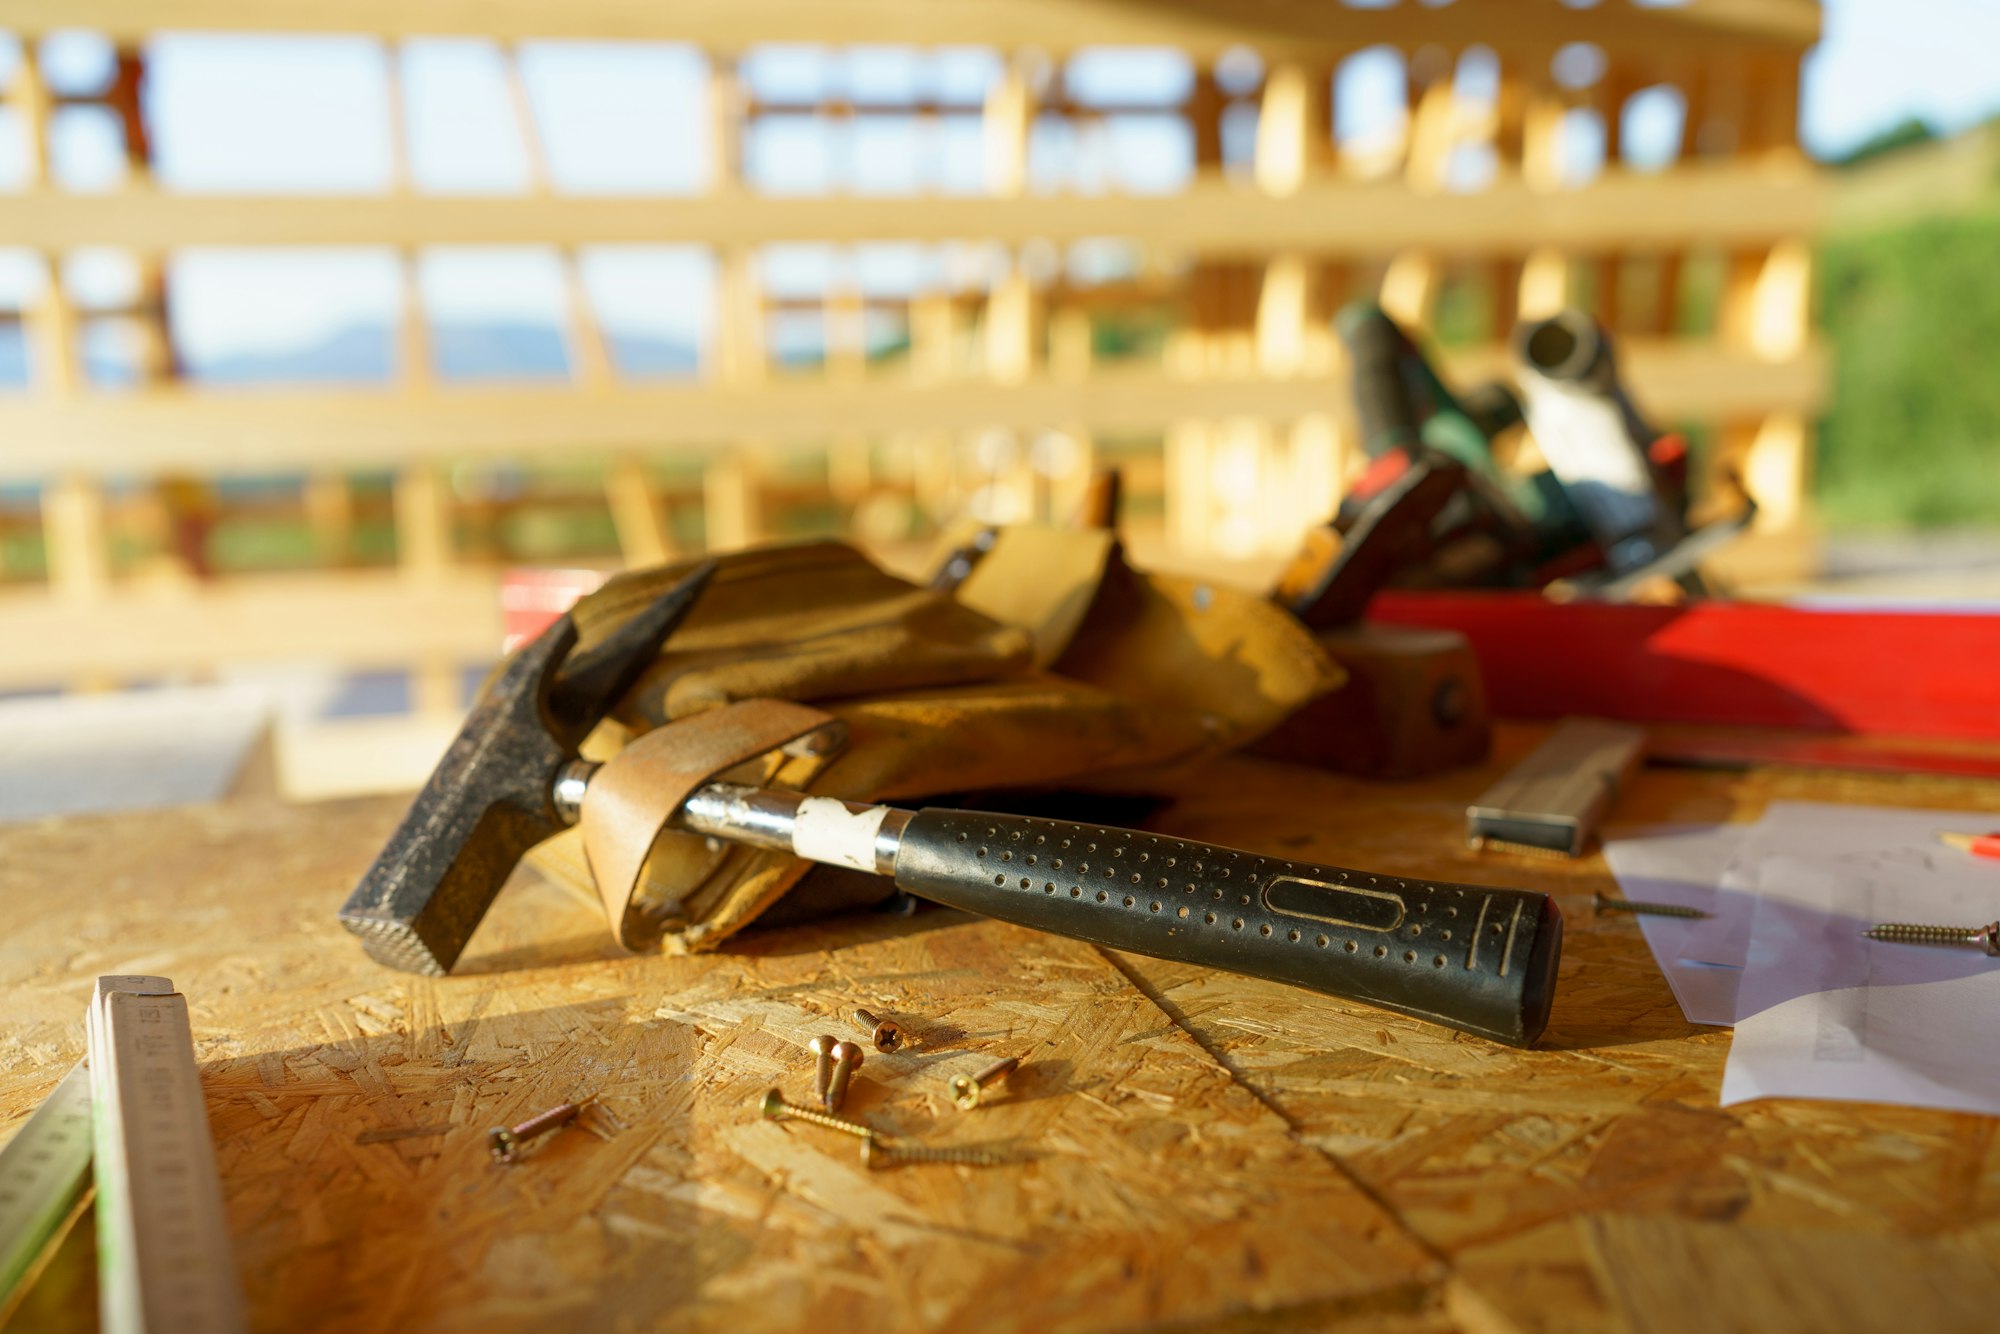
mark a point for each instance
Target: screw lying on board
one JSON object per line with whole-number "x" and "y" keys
{"x": 846, "y": 1059}
{"x": 506, "y": 1145}
{"x": 1605, "y": 903}
{"x": 822, "y": 1049}
{"x": 1985, "y": 938}
{"x": 965, "y": 1091}
{"x": 775, "y": 1108}
{"x": 882, "y": 1032}
{"x": 874, "y": 1153}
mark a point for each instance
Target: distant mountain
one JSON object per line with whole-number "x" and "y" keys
{"x": 366, "y": 354}
{"x": 363, "y": 354}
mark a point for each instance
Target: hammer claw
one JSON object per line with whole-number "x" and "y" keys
{"x": 589, "y": 681}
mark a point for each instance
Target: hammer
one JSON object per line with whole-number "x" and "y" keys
{"x": 1478, "y": 959}
{"x": 492, "y": 796}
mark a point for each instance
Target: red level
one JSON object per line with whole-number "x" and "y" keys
{"x": 1904, "y": 673}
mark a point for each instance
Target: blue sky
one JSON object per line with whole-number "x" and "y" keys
{"x": 630, "y": 119}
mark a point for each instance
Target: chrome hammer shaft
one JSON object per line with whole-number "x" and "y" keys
{"x": 819, "y": 829}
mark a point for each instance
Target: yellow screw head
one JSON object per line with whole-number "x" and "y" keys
{"x": 500, "y": 1142}
{"x": 774, "y": 1105}
{"x": 965, "y": 1092}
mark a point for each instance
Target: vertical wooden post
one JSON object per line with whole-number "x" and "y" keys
{"x": 1432, "y": 134}
{"x": 1548, "y": 283}
{"x": 1294, "y": 125}
{"x": 73, "y": 533}
{"x": 1541, "y": 134}
{"x": 731, "y": 504}
{"x": 74, "y": 537}
{"x": 1610, "y": 97}
{"x": 934, "y": 332}
{"x": 1193, "y": 514}
{"x": 1011, "y": 311}
{"x": 1410, "y": 288}
{"x": 1009, "y": 117}
{"x": 421, "y": 497}
{"x": 1283, "y": 315}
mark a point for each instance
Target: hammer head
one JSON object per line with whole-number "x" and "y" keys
{"x": 491, "y": 797}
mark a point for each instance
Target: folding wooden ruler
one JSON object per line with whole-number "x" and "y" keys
{"x": 132, "y": 1117}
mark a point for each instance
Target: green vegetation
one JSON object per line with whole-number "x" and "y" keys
{"x": 1905, "y": 134}
{"x": 1911, "y": 436}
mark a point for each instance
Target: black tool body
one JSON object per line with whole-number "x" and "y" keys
{"x": 1473, "y": 958}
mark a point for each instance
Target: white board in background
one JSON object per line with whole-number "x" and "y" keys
{"x": 173, "y": 746}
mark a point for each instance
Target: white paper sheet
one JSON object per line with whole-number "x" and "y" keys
{"x": 1722, "y": 938}
{"x": 1825, "y": 1013}
{"x": 1682, "y": 865}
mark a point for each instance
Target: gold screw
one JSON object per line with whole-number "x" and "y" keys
{"x": 1605, "y": 903}
{"x": 874, "y": 1153}
{"x": 775, "y": 1108}
{"x": 506, "y": 1144}
{"x": 822, "y": 1049}
{"x": 966, "y": 1091}
{"x": 846, "y": 1059}
{"x": 882, "y": 1032}
{"x": 1983, "y": 938}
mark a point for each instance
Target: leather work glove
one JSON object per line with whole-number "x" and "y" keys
{"x": 1055, "y": 665}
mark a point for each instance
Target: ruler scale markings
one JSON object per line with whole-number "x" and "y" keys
{"x": 44, "y": 1172}
{"x": 167, "y": 1263}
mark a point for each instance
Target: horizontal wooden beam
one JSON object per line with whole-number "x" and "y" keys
{"x": 259, "y": 432}
{"x": 353, "y": 619}
{"x": 1201, "y": 27}
{"x": 1726, "y": 205}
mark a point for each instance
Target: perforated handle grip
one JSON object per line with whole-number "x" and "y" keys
{"x": 1472, "y": 958}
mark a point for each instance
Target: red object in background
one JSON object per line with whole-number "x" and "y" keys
{"x": 1977, "y": 845}
{"x": 1915, "y": 673}
{"x": 531, "y": 599}
{"x": 1884, "y": 673}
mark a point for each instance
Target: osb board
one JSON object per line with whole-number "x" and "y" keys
{"x": 349, "y": 1106}
{"x": 1504, "y": 1160}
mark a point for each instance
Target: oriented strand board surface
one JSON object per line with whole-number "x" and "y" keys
{"x": 1200, "y": 1147}
{"x": 1497, "y": 1158}
{"x": 350, "y": 1104}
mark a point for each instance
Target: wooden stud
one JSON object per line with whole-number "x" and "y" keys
{"x": 739, "y": 333}
{"x": 328, "y": 500}
{"x": 422, "y": 500}
{"x": 1292, "y": 129}
{"x": 1431, "y": 137}
{"x": 1548, "y": 283}
{"x": 1009, "y": 117}
{"x": 1542, "y": 136}
{"x": 1011, "y": 314}
{"x": 75, "y": 538}
{"x": 934, "y": 331}
{"x": 636, "y": 514}
{"x": 1189, "y": 494}
{"x": 1410, "y": 288}
{"x": 1070, "y": 350}
{"x": 730, "y": 509}
{"x": 1283, "y": 316}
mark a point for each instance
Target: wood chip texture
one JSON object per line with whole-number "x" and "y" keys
{"x": 1194, "y": 1149}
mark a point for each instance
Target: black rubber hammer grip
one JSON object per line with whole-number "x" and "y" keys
{"x": 1472, "y": 958}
